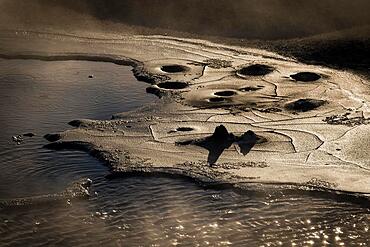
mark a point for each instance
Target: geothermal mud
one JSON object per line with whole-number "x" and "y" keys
{"x": 227, "y": 114}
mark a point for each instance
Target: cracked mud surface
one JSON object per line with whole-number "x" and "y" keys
{"x": 287, "y": 123}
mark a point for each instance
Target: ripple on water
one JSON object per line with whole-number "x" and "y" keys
{"x": 42, "y": 97}
{"x": 139, "y": 211}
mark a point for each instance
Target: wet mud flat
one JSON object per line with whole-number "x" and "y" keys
{"x": 143, "y": 201}
{"x": 233, "y": 115}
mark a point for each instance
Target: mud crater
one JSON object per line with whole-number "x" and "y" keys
{"x": 172, "y": 85}
{"x": 255, "y": 70}
{"x": 304, "y": 105}
{"x": 174, "y": 68}
{"x": 226, "y": 93}
{"x": 306, "y": 76}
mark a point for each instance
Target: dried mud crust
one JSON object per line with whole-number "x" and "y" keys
{"x": 287, "y": 125}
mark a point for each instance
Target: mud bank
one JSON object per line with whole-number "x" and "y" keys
{"x": 274, "y": 111}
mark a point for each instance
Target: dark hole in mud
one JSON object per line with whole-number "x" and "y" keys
{"x": 174, "y": 68}
{"x": 251, "y": 89}
{"x": 75, "y": 123}
{"x": 173, "y": 85}
{"x": 216, "y": 99}
{"x": 227, "y": 93}
{"x": 304, "y": 105}
{"x": 184, "y": 129}
{"x": 306, "y": 76}
{"x": 52, "y": 137}
{"x": 256, "y": 70}
{"x": 154, "y": 90}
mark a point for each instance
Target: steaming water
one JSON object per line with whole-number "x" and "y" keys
{"x": 41, "y": 97}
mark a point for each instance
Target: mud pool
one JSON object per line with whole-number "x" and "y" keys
{"x": 42, "y": 97}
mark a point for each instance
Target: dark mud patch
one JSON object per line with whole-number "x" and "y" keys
{"x": 226, "y": 93}
{"x": 30, "y": 134}
{"x": 156, "y": 91}
{"x": 251, "y": 88}
{"x": 346, "y": 120}
{"x": 75, "y": 123}
{"x": 269, "y": 110}
{"x": 256, "y": 70}
{"x": 173, "y": 85}
{"x": 174, "y": 68}
{"x": 52, "y": 137}
{"x": 304, "y": 105}
{"x": 217, "y": 100}
{"x": 306, "y": 76}
{"x": 185, "y": 129}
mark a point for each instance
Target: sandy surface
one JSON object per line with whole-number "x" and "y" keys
{"x": 281, "y": 127}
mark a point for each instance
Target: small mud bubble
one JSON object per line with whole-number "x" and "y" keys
{"x": 18, "y": 139}
{"x": 256, "y": 70}
{"x": 216, "y": 99}
{"x": 185, "y": 129}
{"x": 226, "y": 93}
{"x": 306, "y": 76}
{"x": 303, "y": 105}
{"x": 173, "y": 85}
{"x": 174, "y": 68}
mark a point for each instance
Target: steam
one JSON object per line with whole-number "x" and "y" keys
{"x": 263, "y": 19}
